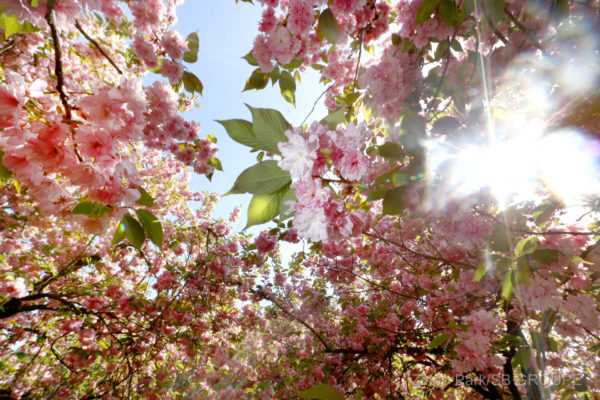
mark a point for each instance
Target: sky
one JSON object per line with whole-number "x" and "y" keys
{"x": 226, "y": 33}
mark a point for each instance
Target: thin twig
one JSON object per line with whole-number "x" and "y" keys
{"x": 282, "y": 308}
{"x": 9, "y": 46}
{"x": 97, "y": 46}
{"x": 525, "y": 32}
{"x": 315, "y": 103}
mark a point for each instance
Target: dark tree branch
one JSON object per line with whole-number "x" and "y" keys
{"x": 525, "y": 32}
{"x": 97, "y": 46}
{"x": 58, "y": 71}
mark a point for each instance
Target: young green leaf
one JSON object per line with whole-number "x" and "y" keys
{"x": 526, "y": 246}
{"x": 263, "y": 208}
{"x": 89, "y": 208}
{"x": 151, "y": 225}
{"x": 495, "y": 10}
{"x": 119, "y": 233}
{"x": 392, "y": 151}
{"x": 192, "y": 84}
{"x": 258, "y": 80}
{"x": 322, "y": 391}
{"x": 334, "y": 118}
{"x": 287, "y": 86}
{"x": 193, "y": 43}
{"x": 250, "y": 59}
{"x": 448, "y": 12}
{"x": 327, "y": 27}
{"x": 263, "y": 178}
{"x": 507, "y": 284}
{"x": 133, "y": 231}
{"x": 425, "y": 11}
{"x": 393, "y": 201}
{"x": 445, "y": 125}
{"x": 241, "y": 131}
{"x": 269, "y": 127}
{"x": 145, "y": 198}
{"x": 439, "y": 340}
{"x": 5, "y": 173}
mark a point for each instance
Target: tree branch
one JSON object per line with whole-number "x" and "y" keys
{"x": 58, "y": 71}
{"x": 97, "y": 46}
{"x": 525, "y": 32}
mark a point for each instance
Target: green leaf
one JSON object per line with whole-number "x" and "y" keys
{"x": 216, "y": 163}
{"x": 193, "y": 43}
{"x": 133, "y": 231}
{"x": 263, "y": 178}
{"x": 263, "y": 208}
{"x": 119, "y": 233}
{"x": 581, "y": 384}
{"x": 295, "y": 63}
{"x": 287, "y": 86}
{"x": 439, "y": 340}
{"x": 456, "y": 46}
{"x": 250, "y": 59}
{"x": 5, "y": 173}
{"x": 322, "y": 391}
{"x": 289, "y": 195}
{"x": 495, "y": 10}
{"x": 523, "y": 274}
{"x": 546, "y": 256}
{"x": 334, "y": 118}
{"x": 158, "y": 67}
{"x": 560, "y": 9}
{"x": 35, "y": 3}
{"x": 445, "y": 125}
{"x": 152, "y": 226}
{"x": 377, "y": 194}
{"x": 11, "y": 25}
{"x": 484, "y": 266}
{"x": 543, "y": 212}
{"x": 258, "y": 80}
{"x": 392, "y": 151}
{"x": 522, "y": 358}
{"x": 467, "y": 9}
{"x": 274, "y": 75}
{"x": 145, "y": 198}
{"x": 269, "y": 127}
{"x": 448, "y": 12}
{"x": 191, "y": 83}
{"x": 393, "y": 201}
{"x": 567, "y": 394}
{"x": 394, "y": 178}
{"x": 241, "y": 131}
{"x": 507, "y": 284}
{"x": 413, "y": 124}
{"x": 500, "y": 238}
{"x": 526, "y": 246}
{"x": 327, "y": 27}
{"x": 425, "y": 10}
{"x": 89, "y": 208}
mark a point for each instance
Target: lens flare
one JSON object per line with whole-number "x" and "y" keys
{"x": 529, "y": 145}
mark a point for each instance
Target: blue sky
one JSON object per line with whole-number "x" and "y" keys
{"x": 226, "y": 33}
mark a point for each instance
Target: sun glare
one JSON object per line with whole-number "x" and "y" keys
{"x": 525, "y": 147}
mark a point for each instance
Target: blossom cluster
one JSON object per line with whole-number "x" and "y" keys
{"x": 320, "y": 214}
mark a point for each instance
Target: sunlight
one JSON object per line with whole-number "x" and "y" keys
{"x": 527, "y": 145}
{"x": 515, "y": 167}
